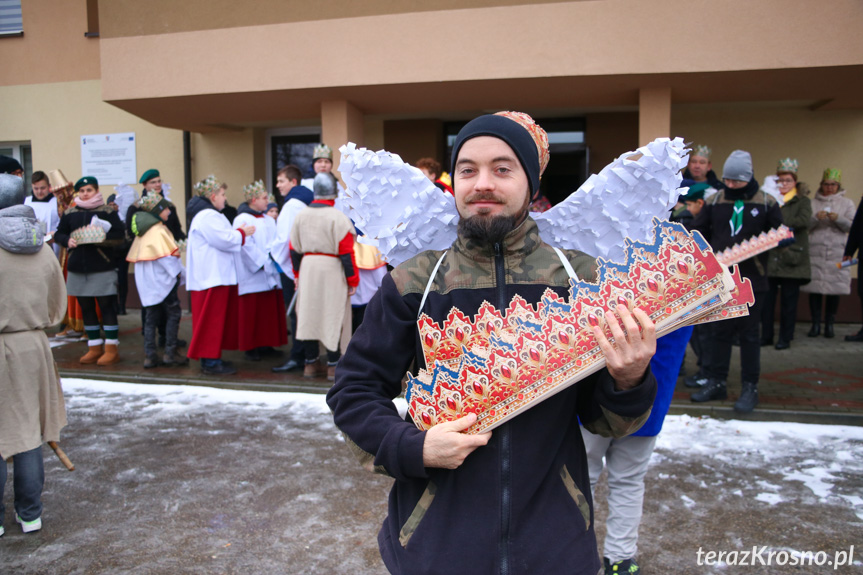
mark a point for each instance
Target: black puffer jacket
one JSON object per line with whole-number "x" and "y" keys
{"x": 761, "y": 213}
{"x": 520, "y": 504}
{"x": 91, "y": 258}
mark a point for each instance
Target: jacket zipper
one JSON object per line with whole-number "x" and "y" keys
{"x": 504, "y": 433}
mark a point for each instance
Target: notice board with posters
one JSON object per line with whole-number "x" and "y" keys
{"x": 110, "y": 158}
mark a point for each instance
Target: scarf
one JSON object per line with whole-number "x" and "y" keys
{"x": 790, "y": 195}
{"x": 736, "y": 218}
{"x": 90, "y": 204}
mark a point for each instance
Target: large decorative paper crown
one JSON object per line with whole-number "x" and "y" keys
{"x": 502, "y": 362}
{"x": 702, "y": 151}
{"x": 208, "y": 186}
{"x": 832, "y": 174}
{"x": 322, "y": 151}
{"x": 787, "y": 165}
{"x": 89, "y": 234}
{"x": 755, "y": 245}
{"x": 254, "y": 190}
{"x": 150, "y": 201}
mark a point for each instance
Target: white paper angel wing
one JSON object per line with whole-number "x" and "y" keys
{"x": 125, "y": 197}
{"x": 398, "y": 209}
{"x": 619, "y": 202}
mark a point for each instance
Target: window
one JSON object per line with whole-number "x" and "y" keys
{"x": 11, "y": 23}
{"x": 21, "y": 151}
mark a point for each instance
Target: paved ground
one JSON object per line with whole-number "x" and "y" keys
{"x": 198, "y": 481}
{"x": 818, "y": 380}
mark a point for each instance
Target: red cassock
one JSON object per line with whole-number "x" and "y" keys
{"x": 215, "y": 321}
{"x": 262, "y": 320}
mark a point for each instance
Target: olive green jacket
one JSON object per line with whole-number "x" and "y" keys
{"x": 792, "y": 261}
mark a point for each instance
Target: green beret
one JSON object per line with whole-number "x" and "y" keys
{"x": 695, "y": 192}
{"x": 85, "y": 181}
{"x": 148, "y": 175}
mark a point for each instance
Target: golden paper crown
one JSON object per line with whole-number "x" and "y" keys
{"x": 322, "y": 151}
{"x": 787, "y": 165}
{"x": 832, "y": 175}
{"x": 702, "y": 151}
{"x": 503, "y": 362}
{"x": 208, "y": 186}
{"x": 58, "y": 180}
{"x": 89, "y": 234}
{"x": 254, "y": 190}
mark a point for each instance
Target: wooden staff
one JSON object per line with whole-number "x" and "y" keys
{"x": 64, "y": 459}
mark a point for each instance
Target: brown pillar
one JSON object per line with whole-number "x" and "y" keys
{"x": 341, "y": 122}
{"x": 654, "y": 114}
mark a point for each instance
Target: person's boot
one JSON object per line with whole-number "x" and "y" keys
{"x": 111, "y": 355}
{"x": 94, "y": 352}
{"x": 828, "y": 326}
{"x": 815, "y": 330}
{"x": 216, "y": 367}
{"x": 289, "y": 365}
{"x": 151, "y": 361}
{"x": 331, "y": 372}
{"x": 712, "y": 390}
{"x": 172, "y": 358}
{"x": 695, "y": 381}
{"x": 314, "y": 369}
{"x": 855, "y": 337}
{"x": 782, "y": 344}
{"x": 748, "y": 398}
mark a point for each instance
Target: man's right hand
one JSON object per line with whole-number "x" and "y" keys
{"x": 445, "y": 445}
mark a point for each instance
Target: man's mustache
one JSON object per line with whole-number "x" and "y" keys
{"x": 482, "y": 197}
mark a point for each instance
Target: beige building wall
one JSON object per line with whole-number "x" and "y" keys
{"x": 230, "y": 156}
{"x": 54, "y": 116}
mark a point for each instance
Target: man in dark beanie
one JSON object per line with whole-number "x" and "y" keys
{"x": 9, "y": 165}
{"x": 516, "y": 499}
{"x": 737, "y": 212}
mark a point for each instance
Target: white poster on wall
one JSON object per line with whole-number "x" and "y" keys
{"x": 110, "y": 158}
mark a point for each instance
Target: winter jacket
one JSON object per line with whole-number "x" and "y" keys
{"x": 520, "y": 504}
{"x": 761, "y": 213}
{"x": 34, "y": 298}
{"x": 91, "y": 258}
{"x": 855, "y": 234}
{"x": 827, "y": 243}
{"x": 792, "y": 261}
{"x": 173, "y": 223}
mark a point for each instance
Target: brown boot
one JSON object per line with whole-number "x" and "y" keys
{"x": 94, "y": 352}
{"x": 111, "y": 356}
{"x": 316, "y": 369}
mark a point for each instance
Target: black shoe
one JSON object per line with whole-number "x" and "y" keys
{"x": 150, "y": 362}
{"x": 252, "y": 355}
{"x": 269, "y": 351}
{"x": 290, "y": 365}
{"x": 828, "y": 328}
{"x": 627, "y": 566}
{"x": 217, "y": 367}
{"x": 782, "y": 344}
{"x": 694, "y": 381}
{"x": 766, "y": 341}
{"x": 713, "y": 389}
{"x": 181, "y": 343}
{"x": 174, "y": 359}
{"x": 815, "y": 330}
{"x": 748, "y": 398}
{"x": 856, "y": 337}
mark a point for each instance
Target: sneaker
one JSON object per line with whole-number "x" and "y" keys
{"x": 695, "y": 381}
{"x": 29, "y": 526}
{"x": 748, "y": 398}
{"x": 625, "y": 566}
{"x": 713, "y": 389}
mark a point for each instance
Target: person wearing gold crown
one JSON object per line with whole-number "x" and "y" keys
{"x": 516, "y": 499}
{"x": 211, "y": 277}
{"x": 158, "y": 274}
{"x": 322, "y": 163}
{"x": 788, "y": 267}
{"x": 263, "y": 326}
{"x": 92, "y": 277}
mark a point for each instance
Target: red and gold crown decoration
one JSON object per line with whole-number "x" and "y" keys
{"x": 503, "y": 362}
{"x": 755, "y": 245}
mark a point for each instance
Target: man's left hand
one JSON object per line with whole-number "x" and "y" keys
{"x": 628, "y": 357}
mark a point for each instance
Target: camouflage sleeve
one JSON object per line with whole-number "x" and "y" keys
{"x": 611, "y": 413}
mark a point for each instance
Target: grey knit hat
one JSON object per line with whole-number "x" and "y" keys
{"x": 325, "y": 186}
{"x": 738, "y": 166}
{"x": 11, "y": 190}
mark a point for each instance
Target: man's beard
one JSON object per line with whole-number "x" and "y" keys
{"x": 487, "y": 229}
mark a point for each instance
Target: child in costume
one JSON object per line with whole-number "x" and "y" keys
{"x": 92, "y": 277}
{"x": 212, "y": 260}
{"x": 158, "y": 274}
{"x": 273, "y": 210}
{"x": 263, "y": 326}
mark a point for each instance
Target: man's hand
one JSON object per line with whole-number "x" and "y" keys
{"x": 72, "y": 243}
{"x": 445, "y": 445}
{"x": 627, "y": 359}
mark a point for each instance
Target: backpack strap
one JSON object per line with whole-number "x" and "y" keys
{"x": 429, "y": 284}
{"x": 566, "y": 265}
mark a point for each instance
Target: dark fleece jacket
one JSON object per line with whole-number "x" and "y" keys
{"x": 520, "y": 504}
